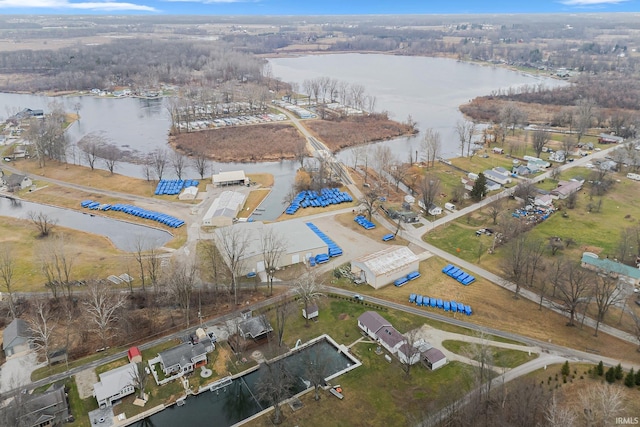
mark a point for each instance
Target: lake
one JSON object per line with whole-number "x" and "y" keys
{"x": 428, "y": 89}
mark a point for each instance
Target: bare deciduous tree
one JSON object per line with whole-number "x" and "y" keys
{"x": 41, "y": 326}
{"x": 309, "y": 289}
{"x": 111, "y": 155}
{"x": 465, "y": 130}
{"x": 43, "y": 222}
{"x": 180, "y": 285}
{"x": 201, "y": 164}
{"x": 430, "y": 146}
{"x": 159, "y": 162}
{"x": 574, "y": 289}
{"x": 429, "y": 190}
{"x": 557, "y": 416}
{"x": 495, "y": 209}
{"x": 7, "y": 270}
{"x": 274, "y": 385}
{"x": 273, "y": 246}
{"x": 91, "y": 145}
{"x": 140, "y": 379}
{"x": 601, "y": 403}
{"x": 539, "y": 140}
{"x": 102, "y": 306}
{"x": 179, "y": 163}
{"x": 233, "y": 244}
{"x": 606, "y": 293}
{"x": 370, "y": 202}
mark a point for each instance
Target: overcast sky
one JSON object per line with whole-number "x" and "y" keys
{"x": 312, "y": 7}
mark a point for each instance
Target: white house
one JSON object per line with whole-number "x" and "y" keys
{"x": 16, "y": 182}
{"x": 380, "y": 330}
{"x": 558, "y": 156}
{"x": 115, "y": 384}
{"x": 545, "y": 200}
{"x": 499, "y": 177}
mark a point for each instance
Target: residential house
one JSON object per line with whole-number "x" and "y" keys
{"x": 499, "y": 177}
{"x": 379, "y": 329}
{"x": 15, "y": 182}
{"x": 566, "y": 188}
{"x": 16, "y": 338}
{"x": 624, "y": 273}
{"x": 558, "y": 156}
{"x": 521, "y": 170}
{"x": 605, "y": 138}
{"x": 183, "y": 358}
{"x": 47, "y": 409}
{"x": 545, "y": 200}
{"x": 115, "y": 384}
{"x": 255, "y": 328}
{"x": 434, "y": 210}
{"x": 490, "y": 186}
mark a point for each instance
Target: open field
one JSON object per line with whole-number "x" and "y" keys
{"x": 350, "y": 131}
{"x": 94, "y": 257}
{"x": 502, "y": 357}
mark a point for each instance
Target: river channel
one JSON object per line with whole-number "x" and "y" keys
{"x": 428, "y": 89}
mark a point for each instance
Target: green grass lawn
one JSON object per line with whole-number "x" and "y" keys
{"x": 502, "y": 357}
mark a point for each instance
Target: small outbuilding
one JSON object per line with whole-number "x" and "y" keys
{"x": 384, "y": 267}
{"x": 134, "y": 355}
{"x": 311, "y": 312}
{"x": 189, "y": 193}
{"x": 434, "y": 358}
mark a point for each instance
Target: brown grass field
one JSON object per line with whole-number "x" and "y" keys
{"x": 347, "y": 132}
{"x": 495, "y": 307}
{"x": 255, "y": 143}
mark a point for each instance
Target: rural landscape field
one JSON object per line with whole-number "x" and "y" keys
{"x": 381, "y": 219}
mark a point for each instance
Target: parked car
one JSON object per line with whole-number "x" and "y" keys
{"x": 358, "y": 297}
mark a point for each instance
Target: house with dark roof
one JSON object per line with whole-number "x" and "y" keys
{"x": 255, "y": 327}
{"x": 434, "y": 358}
{"x": 46, "y": 409}
{"x": 15, "y": 182}
{"x": 183, "y": 358}
{"x": 566, "y": 188}
{"x": 115, "y": 384}
{"x": 16, "y": 338}
{"x": 380, "y": 330}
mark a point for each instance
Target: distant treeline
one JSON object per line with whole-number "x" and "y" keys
{"x": 138, "y": 63}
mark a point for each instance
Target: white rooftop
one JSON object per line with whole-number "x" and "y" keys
{"x": 227, "y": 204}
{"x": 388, "y": 260}
{"x": 228, "y": 176}
{"x": 111, "y": 382}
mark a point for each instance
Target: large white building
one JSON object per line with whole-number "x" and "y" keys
{"x": 229, "y": 178}
{"x": 224, "y": 209}
{"x": 299, "y": 242}
{"x": 384, "y": 267}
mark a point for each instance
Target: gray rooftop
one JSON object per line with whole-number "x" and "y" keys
{"x": 111, "y": 382}
{"x": 182, "y": 355}
{"x": 18, "y": 328}
{"x": 255, "y": 326}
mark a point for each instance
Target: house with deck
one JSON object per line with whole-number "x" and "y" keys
{"x": 115, "y": 384}
{"x": 182, "y": 359}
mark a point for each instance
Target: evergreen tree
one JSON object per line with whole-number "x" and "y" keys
{"x": 630, "y": 379}
{"x": 479, "y": 189}
{"x": 566, "y": 370}
{"x": 600, "y": 369}
{"x": 619, "y": 372}
{"x": 638, "y": 377}
{"x": 610, "y": 376}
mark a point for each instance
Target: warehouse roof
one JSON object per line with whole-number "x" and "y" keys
{"x": 227, "y": 204}
{"x": 388, "y": 260}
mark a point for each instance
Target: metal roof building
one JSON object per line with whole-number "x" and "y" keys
{"x": 229, "y": 178}
{"x": 299, "y": 242}
{"x": 383, "y": 267}
{"x": 224, "y": 209}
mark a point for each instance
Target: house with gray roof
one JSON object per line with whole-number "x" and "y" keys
{"x": 46, "y": 409}
{"x": 16, "y": 338}
{"x": 15, "y": 182}
{"x": 566, "y": 188}
{"x": 255, "y": 327}
{"x": 115, "y": 384}
{"x": 379, "y": 329}
{"x": 183, "y": 358}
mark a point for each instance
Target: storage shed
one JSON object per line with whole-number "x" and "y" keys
{"x": 384, "y": 267}
{"x": 134, "y": 355}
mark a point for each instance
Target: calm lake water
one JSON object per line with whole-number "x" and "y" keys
{"x": 428, "y": 89}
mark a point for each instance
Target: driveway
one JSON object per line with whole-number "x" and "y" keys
{"x": 16, "y": 372}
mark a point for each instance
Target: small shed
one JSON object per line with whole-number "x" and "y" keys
{"x": 312, "y": 313}
{"x": 16, "y": 337}
{"x": 189, "y": 193}
{"x": 224, "y": 179}
{"x": 134, "y": 355}
{"x": 434, "y": 358}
